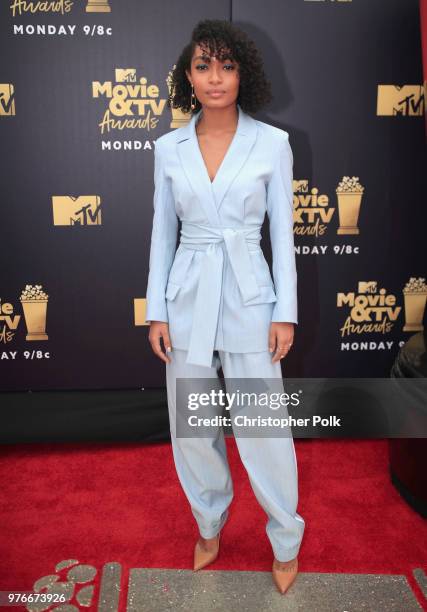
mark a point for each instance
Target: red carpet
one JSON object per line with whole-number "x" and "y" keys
{"x": 99, "y": 503}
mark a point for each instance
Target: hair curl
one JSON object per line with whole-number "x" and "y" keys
{"x": 219, "y": 36}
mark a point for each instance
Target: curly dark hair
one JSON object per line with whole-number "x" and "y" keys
{"x": 218, "y": 36}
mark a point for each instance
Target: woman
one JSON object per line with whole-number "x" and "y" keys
{"x": 212, "y": 301}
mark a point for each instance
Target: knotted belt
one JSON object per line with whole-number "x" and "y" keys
{"x": 206, "y": 309}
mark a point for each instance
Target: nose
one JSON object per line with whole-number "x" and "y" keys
{"x": 215, "y": 72}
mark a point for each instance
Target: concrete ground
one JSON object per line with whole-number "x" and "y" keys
{"x": 165, "y": 589}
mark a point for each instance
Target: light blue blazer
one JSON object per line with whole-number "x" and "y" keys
{"x": 215, "y": 290}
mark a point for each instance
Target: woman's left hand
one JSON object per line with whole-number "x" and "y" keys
{"x": 280, "y": 339}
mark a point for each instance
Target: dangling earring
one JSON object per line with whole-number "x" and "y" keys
{"x": 193, "y": 98}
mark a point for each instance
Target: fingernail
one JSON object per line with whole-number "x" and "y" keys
{"x": 168, "y": 348}
{"x": 271, "y": 349}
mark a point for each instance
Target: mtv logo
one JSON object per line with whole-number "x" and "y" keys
{"x": 83, "y": 210}
{"x": 300, "y": 186}
{"x": 407, "y": 100}
{"x": 125, "y": 75}
{"x": 140, "y": 310}
{"x": 367, "y": 287}
{"x": 7, "y": 100}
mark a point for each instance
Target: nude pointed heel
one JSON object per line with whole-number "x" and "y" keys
{"x": 283, "y": 578}
{"x": 203, "y": 558}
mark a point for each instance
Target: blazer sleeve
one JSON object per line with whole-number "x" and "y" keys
{"x": 280, "y": 213}
{"x": 163, "y": 241}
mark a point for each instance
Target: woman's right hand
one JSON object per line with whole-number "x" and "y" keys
{"x": 160, "y": 329}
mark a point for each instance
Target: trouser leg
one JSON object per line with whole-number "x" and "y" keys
{"x": 269, "y": 461}
{"x": 201, "y": 462}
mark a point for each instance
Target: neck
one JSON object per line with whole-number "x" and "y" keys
{"x": 218, "y": 120}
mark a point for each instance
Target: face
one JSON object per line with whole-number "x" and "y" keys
{"x": 215, "y": 81}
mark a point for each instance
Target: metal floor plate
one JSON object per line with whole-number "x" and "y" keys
{"x": 167, "y": 589}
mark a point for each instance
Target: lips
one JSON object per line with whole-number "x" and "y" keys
{"x": 215, "y": 93}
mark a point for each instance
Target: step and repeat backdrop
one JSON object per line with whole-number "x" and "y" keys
{"x": 83, "y": 91}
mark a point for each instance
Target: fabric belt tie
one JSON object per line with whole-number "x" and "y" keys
{"x": 206, "y": 309}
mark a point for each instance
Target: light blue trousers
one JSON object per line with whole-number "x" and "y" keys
{"x": 202, "y": 466}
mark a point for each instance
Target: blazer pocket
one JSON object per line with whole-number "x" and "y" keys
{"x": 261, "y": 269}
{"x": 266, "y": 295}
{"x": 181, "y": 265}
{"x": 171, "y": 290}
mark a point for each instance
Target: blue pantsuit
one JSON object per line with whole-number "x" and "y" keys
{"x": 217, "y": 294}
{"x": 202, "y": 466}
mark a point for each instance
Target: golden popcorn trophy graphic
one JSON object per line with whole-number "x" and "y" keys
{"x": 179, "y": 119}
{"x": 34, "y": 305}
{"x": 349, "y": 195}
{"x": 98, "y": 6}
{"x": 415, "y": 294}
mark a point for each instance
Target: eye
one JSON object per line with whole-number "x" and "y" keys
{"x": 200, "y": 66}
{"x": 231, "y": 66}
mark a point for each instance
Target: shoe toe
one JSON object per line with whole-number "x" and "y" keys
{"x": 203, "y": 557}
{"x": 284, "y": 578}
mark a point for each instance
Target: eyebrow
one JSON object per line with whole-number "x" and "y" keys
{"x": 207, "y": 57}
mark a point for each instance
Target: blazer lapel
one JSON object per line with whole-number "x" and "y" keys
{"x": 237, "y": 154}
{"x": 211, "y": 194}
{"x": 195, "y": 169}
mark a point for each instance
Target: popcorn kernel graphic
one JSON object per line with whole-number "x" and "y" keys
{"x": 34, "y": 304}
{"x": 349, "y": 195}
{"x": 415, "y": 295}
